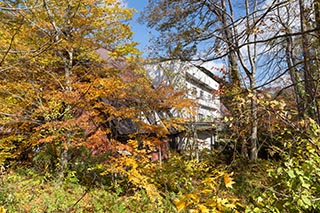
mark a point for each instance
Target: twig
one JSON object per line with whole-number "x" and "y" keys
{"x": 84, "y": 194}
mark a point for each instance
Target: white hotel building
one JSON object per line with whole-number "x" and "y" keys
{"x": 198, "y": 84}
{"x": 200, "y": 87}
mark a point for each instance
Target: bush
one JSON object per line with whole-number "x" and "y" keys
{"x": 295, "y": 185}
{"x": 25, "y": 191}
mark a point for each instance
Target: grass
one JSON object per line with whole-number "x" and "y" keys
{"x": 24, "y": 191}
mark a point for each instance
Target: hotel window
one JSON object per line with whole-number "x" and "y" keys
{"x": 201, "y": 94}
{"x": 200, "y": 117}
{"x": 194, "y": 91}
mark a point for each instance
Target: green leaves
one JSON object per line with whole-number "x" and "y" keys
{"x": 295, "y": 185}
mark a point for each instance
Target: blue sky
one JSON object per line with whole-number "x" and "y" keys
{"x": 141, "y": 33}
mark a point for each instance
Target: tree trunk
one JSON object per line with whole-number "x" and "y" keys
{"x": 68, "y": 61}
{"x": 251, "y": 74}
{"x": 295, "y": 78}
{"x": 229, "y": 35}
{"x": 316, "y": 4}
{"x": 309, "y": 82}
{"x": 254, "y": 126}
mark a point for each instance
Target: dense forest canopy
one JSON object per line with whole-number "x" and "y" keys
{"x": 70, "y": 78}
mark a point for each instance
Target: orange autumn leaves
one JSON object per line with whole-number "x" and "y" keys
{"x": 56, "y": 88}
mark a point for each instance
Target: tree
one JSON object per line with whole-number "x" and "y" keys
{"x": 301, "y": 59}
{"x": 187, "y": 28}
{"x": 207, "y": 31}
{"x": 211, "y": 30}
{"x": 72, "y": 80}
{"x": 50, "y": 63}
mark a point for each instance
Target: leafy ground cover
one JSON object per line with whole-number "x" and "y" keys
{"x": 179, "y": 185}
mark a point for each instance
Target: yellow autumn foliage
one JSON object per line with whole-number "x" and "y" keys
{"x": 208, "y": 197}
